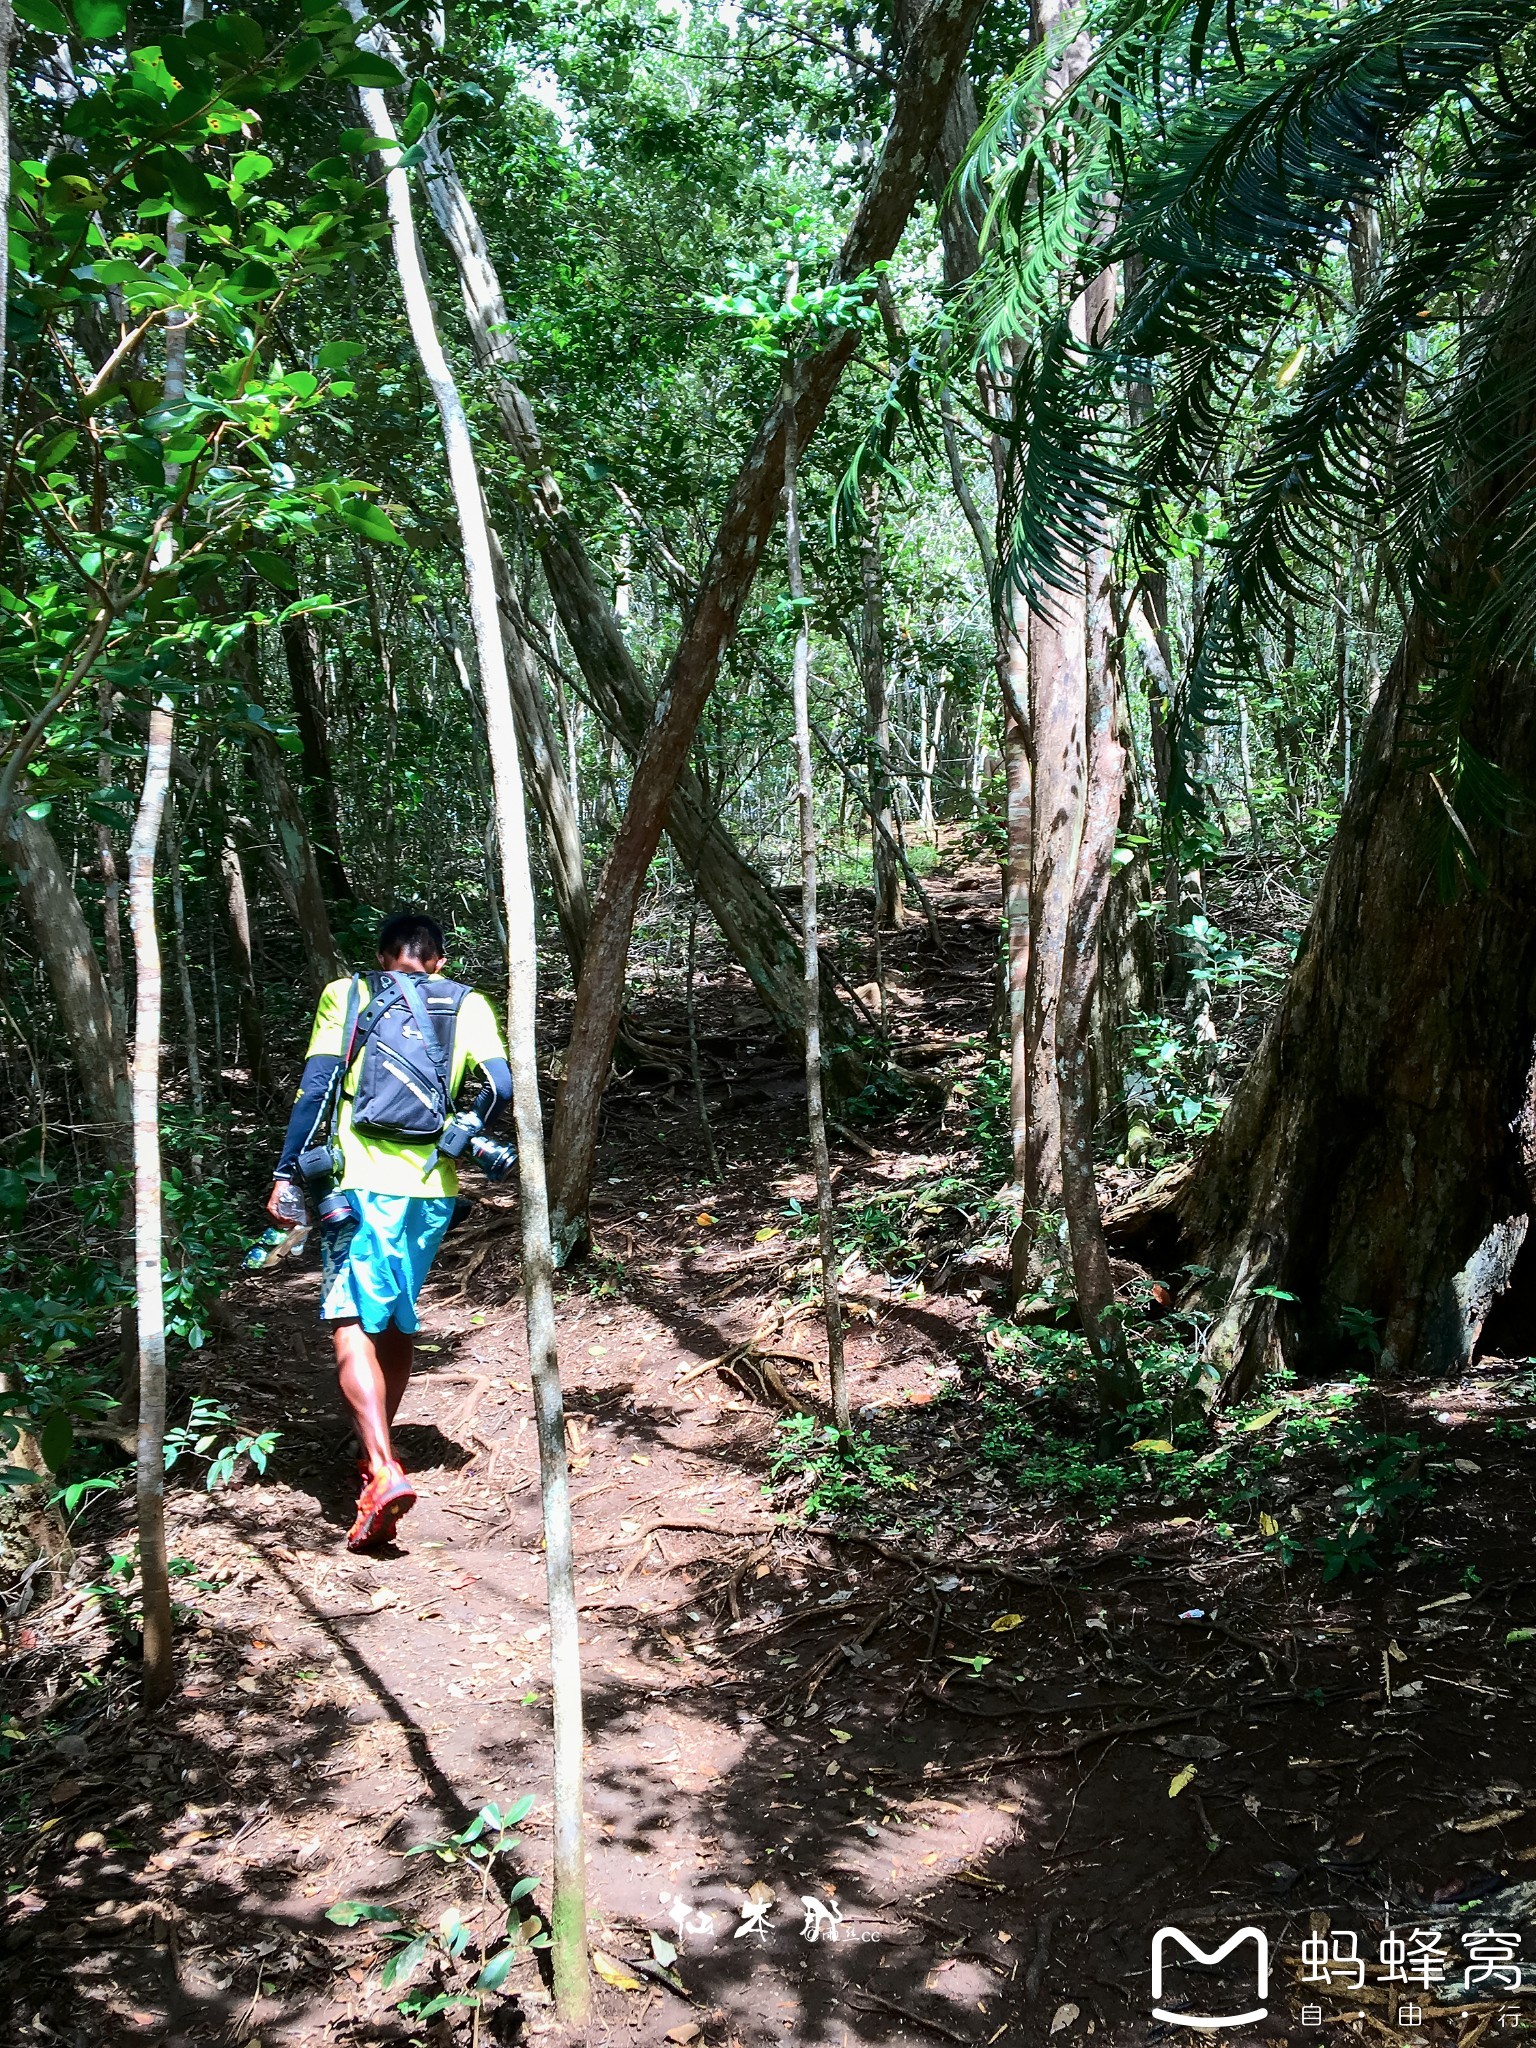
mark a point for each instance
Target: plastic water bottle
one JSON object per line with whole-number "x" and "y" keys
{"x": 275, "y": 1244}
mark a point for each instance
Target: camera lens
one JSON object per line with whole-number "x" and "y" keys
{"x": 495, "y": 1161}
{"x": 336, "y": 1209}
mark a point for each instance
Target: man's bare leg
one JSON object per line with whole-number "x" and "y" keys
{"x": 373, "y": 1373}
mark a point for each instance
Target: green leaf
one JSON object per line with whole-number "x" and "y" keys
{"x": 403, "y": 1961}
{"x": 335, "y": 354}
{"x": 233, "y": 37}
{"x": 522, "y": 1889}
{"x": 57, "y": 1440}
{"x": 276, "y": 568}
{"x": 369, "y": 521}
{"x": 43, "y": 16}
{"x": 348, "y": 1912}
{"x": 251, "y": 281}
{"x": 101, "y": 20}
{"x": 249, "y": 167}
{"x": 299, "y": 61}
{"x": 363, "y": 67}
{"x": 518, "y": 1812}
{"x": 496, "y": 1971}
{"x": 419, "y": 113}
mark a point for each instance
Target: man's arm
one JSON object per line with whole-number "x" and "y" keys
{"x": 313, "y": 1083}
{"x": 485, "y": 1049}
{"x": 497, "y": 1092}
{"x": 323, "y": 1059}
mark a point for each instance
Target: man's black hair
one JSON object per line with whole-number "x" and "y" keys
{"x": 413, "y": 934}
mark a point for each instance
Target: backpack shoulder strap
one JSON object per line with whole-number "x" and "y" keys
{"x": 421, "y": 1017}
{"x": 325, "y": 1115}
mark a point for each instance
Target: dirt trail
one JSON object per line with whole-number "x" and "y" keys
{"x": 769, "y": 1707}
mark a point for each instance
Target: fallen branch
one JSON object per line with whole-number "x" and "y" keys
{"x": 870, "y": 2001}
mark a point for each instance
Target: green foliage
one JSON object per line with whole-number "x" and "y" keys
{"x": 1042, "y": 1429}
{"x": 834, "y": 1473}
{"x": 63, "y": 1290}
{"x": 1242, "y": 175}
{"x": 464, "y": 1968}
{"x": 1168, "y": 1096}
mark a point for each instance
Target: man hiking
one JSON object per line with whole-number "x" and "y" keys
{"x": 373, "y": 1137}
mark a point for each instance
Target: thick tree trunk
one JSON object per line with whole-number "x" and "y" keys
{"x": 149, "y": 1281}
{"x": 80, "y": 995}
{"x": 743, "y": 906}
{"x": 1367, "y": 1165}
{"x": 309, "y": 716}
{"x": 929, "y": 69}
{"x": 568, "y": 1915}
{"x": 1117, "y": 1380}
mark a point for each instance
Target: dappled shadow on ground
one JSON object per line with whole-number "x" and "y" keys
{"x": 871, "y": 1785}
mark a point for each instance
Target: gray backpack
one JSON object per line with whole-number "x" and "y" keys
{"x": 405, "y": 1031}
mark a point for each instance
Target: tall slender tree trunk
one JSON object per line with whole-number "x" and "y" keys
{"x": 296, "y": 850}
{"x": 1013, "y": 669}
{"x": 568, "y": 1919}
{"x": 149, "y": 1284}
{"x": 877, "y": 720}
{"x": 193, "y": 1051}
{"x": 831, "y": 1304}
{"x": 237, "y": 915}
{"x": 310, "y": 717}
{"x": 111, "y": 886}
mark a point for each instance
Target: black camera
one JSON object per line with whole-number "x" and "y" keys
{"x": 466, "y": 1133}
{"x": 318, "y": 1168}
{"x": 494, "y": 1161}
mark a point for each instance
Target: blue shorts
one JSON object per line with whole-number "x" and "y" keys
{"x": 372, "y": 1269}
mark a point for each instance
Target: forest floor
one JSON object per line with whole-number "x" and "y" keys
{"x": 934, "y": 1766}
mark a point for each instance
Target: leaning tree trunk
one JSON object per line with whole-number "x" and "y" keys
{"x": 80, "y": 993}
{"x": 929, "y": 68}
{"x": 739, "y": 899}
{"x": 877, "y": 723}
{"x": 1367, "y": 1165}
{"x": 553, "y": 796}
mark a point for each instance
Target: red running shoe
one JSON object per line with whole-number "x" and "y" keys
{"x": 379, "y": 1508}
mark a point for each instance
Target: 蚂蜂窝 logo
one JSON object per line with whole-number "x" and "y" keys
{"x": 1161, "y": 1939}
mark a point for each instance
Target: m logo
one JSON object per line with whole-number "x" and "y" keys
{"x": 1160, "y": 1940}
